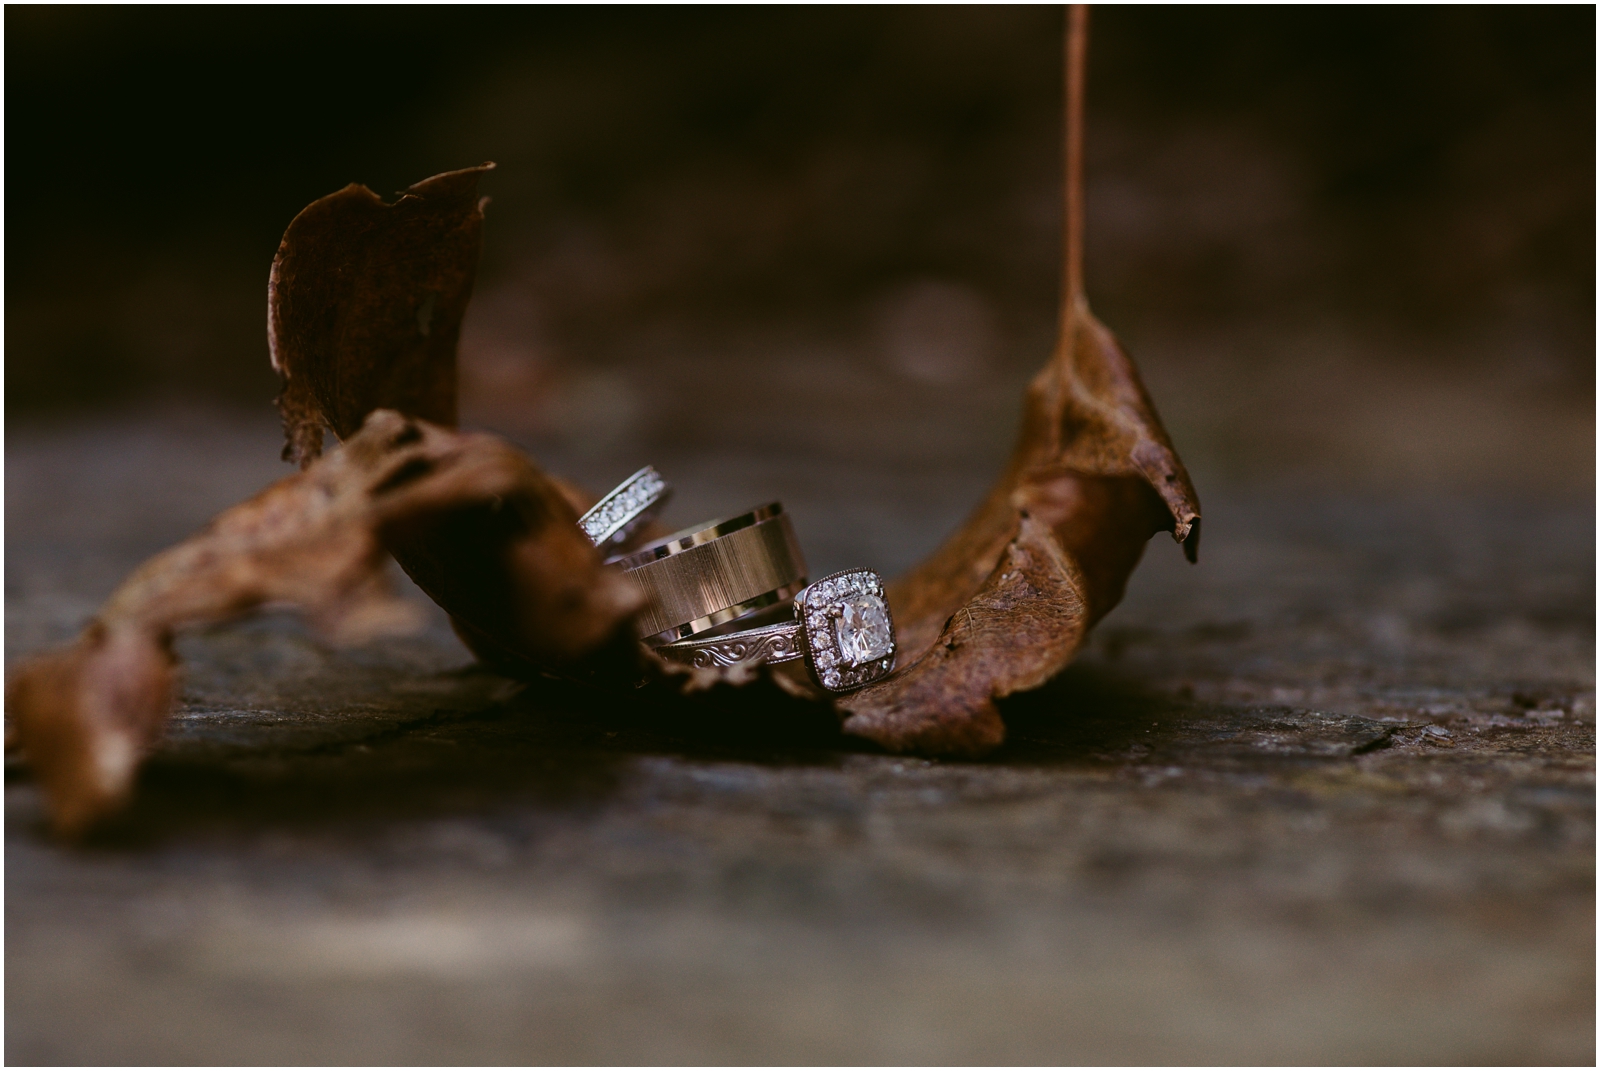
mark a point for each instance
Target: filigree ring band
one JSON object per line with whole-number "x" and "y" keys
{"x": 629, "y": 507}
{"x": 700, "y": 578}
{"x": 842, "y": 629}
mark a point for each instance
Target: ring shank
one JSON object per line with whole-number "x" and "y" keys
{"x": 771, "y": 646}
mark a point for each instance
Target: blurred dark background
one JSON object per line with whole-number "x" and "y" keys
{"x": 1346, "y": 244}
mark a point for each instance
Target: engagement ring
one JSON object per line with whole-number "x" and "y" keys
{"x": 842, "y": 629}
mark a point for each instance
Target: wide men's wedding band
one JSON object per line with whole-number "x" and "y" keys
{"x": 700, "y": 578}
{"x": 842, "y": 629}
{"x": 630, "y": 505}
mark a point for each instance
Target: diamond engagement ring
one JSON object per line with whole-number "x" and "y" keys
{"x": 842, "y": 629}
{"x": 703, "y": 577}
{"x": 629, "y": 507}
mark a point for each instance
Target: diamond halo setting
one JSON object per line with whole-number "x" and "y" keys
{"x": 849, "y": 631}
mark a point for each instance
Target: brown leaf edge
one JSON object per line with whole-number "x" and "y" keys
{"x": 365, "y": 302}
{"x": 1006, "y": 602}
{"x": 84, "y": 716}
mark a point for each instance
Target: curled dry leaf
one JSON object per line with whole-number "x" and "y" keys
{"x": 1007, "y": 601}
{"x": 85, "y": 715}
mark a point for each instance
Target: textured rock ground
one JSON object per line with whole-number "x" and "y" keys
{"x": 1327, "y": 797}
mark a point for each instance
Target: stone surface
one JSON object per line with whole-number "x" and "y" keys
{"x": 1327, "y": 797}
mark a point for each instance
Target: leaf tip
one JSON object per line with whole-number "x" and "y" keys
{"x": 1188, "y": 533}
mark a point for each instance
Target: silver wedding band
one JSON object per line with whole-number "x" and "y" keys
{"x": 630, "y": 506}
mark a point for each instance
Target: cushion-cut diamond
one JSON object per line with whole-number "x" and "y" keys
{"x": 863, "y": 629}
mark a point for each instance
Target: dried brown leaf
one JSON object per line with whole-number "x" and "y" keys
{"x": 1007, "y": 601}
{"x": 84, "y": 716}
{"x": 365, "y": 302}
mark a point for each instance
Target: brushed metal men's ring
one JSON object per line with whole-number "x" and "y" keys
{"x": 703, "y": 577}
{"x": 630, "y": 506}
{"x": 842, "y": 629}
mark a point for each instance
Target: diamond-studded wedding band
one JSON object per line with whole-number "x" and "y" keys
{"x": 842, "y": 629}
{"x": 703, "y": 577}
{"x": 626, "y": 509}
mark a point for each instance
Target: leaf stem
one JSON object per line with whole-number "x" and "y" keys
{"x": 1077, "y": 46}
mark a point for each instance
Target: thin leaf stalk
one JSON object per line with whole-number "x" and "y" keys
{"x": 1076, "y": 60}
